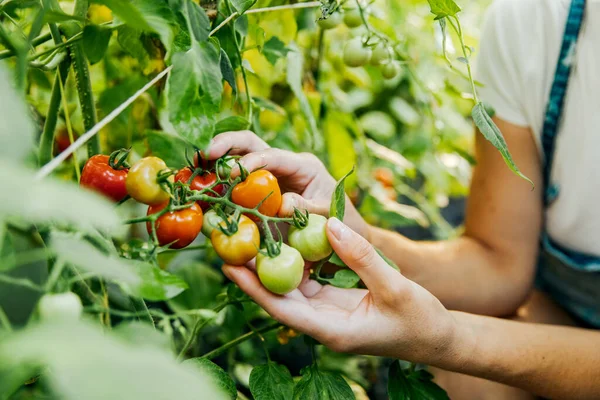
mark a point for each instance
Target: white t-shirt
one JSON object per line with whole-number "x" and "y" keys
{"x": 519, "y": 49}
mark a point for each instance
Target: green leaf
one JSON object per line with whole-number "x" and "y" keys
{"x": 111, "y": 368}
{"x": 443, "y": 8}
{"x": 408, "y": 384}
{"x": 21, "y": 193}
{"x": 130, "y": 40}
{"x": 491, "y": 132}
{"x": 294, "y": 79}
{"x": 274, "y": 49}
{"x": 194, "y": 93}
{"x": 198, "y": 22}
{"x": 320, "y": 385}
{"x": 336, "y": 260}
{"x": 205, "y": 281}
{"x": 242, "y": 5}
{"x": 16, "y": 137}
{"x": 170, "y": 148}
{"x": 398, "y": 386}
{"x": 53, "y": 16}
{"x": 142, "y": 334}
{"x": 233, "y": 123}
{"x": 135, "y": 277}
{"x": 338, "y": 200}
{"x": 214, "y": 373}
{"x": 146, "y": 15}
{"x": 344, "y": 278}
{"x": 271, "y": 381}
{"x": 95, "y": 42}
{"x": 227, "y": 71}
{"x": 267, "y": 104}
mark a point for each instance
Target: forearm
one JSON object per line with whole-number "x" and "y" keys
{"x": 463, "y": 274}
{"x": 550, "y": 361}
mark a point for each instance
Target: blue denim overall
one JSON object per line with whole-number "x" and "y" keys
{"x": 569, "y": 277}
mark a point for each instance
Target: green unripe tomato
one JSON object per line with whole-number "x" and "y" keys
{"x": 352, "y": 18}
{"x": 61, "y": 306}
{"x": 390, "y": 70}
{"x": 210, "y": 221}
{"x": 311, "y": 241}
{"x": 331, "y": 21}
{"x": 355, "y": 53}
{"x": 380, "y": 54}
{"x": 283, "y": 273}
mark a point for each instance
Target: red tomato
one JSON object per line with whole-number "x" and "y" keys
{"x": 99, "y": 176}
{"x": 254, "y": 189}
{"x": 179, "y": 228}
{"x": 200, "y": 182}
{"x": 62, "y": 141}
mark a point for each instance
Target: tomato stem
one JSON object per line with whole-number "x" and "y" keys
{"x": 200, "y": 323}
{"x": 220, "y": 350}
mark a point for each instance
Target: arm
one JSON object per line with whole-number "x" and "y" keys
{"x": 551, "y": 361}
{"x": 397, "y": 318}
{"x": 489, "y": 270}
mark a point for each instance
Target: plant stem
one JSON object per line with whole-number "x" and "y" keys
{"x": 47, "y": 138}
{"x": 200, "y": 323}
{"x": 35, "y": 42}
{"x": 59, "y": 46}
{"x": 57, "y": 269}
{"x": 458, "y": 29}
{"x": 69, "y": 127}
{"x": 140, "y": 304}
{"x": 23, "y": 282}
{"x": 220, "y": 350}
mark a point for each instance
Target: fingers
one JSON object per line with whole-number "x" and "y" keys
{"x": 288, "y": 309}
{"x": 291, "y": 200}
{"x": 239, "y": 142}
{"x": 362, "y": 258}
{"x": 281, "y": 163}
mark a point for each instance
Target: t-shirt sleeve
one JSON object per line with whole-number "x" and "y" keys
{"x": 497, "y": 65}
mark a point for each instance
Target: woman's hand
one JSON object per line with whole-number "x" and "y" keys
{"x": 393, "y": 317}
{"x": 302, "y": 175}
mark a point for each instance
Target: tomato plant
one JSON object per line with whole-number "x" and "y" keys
{"x": 143, "y": 181}
{"x": 358, "y": 84}
{"x": 240, "y": 246}
{"x": 204, "y": 180}
{"x": 60, "y": 306}
{"x": 283, "y": 273}
{"x": 356, "y": 54}
{"x": 311, "y": 241}
{"x": 259, "y": 189}
{"x": 176, "y": 228}
{"x": 105, "y": 177}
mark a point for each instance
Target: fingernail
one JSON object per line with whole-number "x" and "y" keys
{"x": 338, "y": 229}
{"x": 293, "y": 202}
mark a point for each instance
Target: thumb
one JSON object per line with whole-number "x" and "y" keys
{"x": 361, "y": 257}
{"x": 291, "y": 200}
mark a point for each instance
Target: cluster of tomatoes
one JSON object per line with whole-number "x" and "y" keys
{"x": 358, "y": 52}
{"x": 183, "y": 203}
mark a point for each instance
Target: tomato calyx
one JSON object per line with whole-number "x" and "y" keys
{"x": 229, "y": 226}
{"x": 272, "y": 248}
{"x": 118, "y": 159}
{"x": 300, "y": 219}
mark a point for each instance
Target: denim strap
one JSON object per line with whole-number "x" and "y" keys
{"x": 557, "y": 93}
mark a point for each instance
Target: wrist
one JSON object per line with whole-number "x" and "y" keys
{"x": 462, "y": 343}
